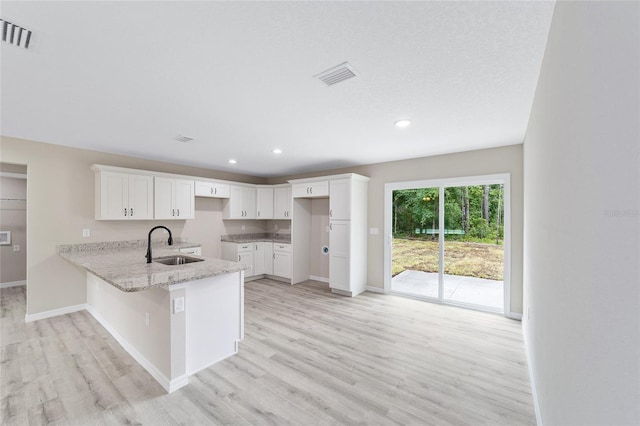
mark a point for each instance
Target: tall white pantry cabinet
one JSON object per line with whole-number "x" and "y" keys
{"x": 347, "y": 230}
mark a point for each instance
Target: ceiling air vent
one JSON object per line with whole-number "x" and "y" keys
{"x": 336, "y": 74}
{"x": 15, "y": 34}
{"x": 183, "y": 139}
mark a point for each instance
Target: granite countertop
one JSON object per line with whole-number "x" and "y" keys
{"x": 262, "y": 236}
{"x": 123, "y": 264}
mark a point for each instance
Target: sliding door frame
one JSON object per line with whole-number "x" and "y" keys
{"x": 500, "y": 178}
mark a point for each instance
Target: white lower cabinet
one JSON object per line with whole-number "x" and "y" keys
{"x": 260, "y": 258}
{"x": 339, "y": 255}
{"x": 282, "y": 260}
{"x": 242, "y": 253}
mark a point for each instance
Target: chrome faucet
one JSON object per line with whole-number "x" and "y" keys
{"x": 170, "y": 242}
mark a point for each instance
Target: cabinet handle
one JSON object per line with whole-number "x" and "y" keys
{"x": 173, "y": 212}
{"x": 215, "y": 191}
{"x": 307, "y": 189}
{"x": 311, "y": 190}
{"x": 125, "y": 211}
{"x": 132, "y": 212}
{"x": 238, "y": 258}
{"x": 331, "y": 226}
{"x": 178, "y": 212}
{"x": 258, "y": 213}
{"x": 330, "y": 213}
{"x": 212, "y": 191}
{"x": 274, "y": 255}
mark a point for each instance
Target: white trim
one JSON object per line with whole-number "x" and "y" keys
{"x": 54, "y": 313}
{"x": 168, "y": 385}
{"x": 375, "y": 289}
{"x": 13, "y": 175}
{"x": 498, "y": 178}
{"x": 514, "y": 316}
{"x": 532, "y": 380}
{"x": 321, "y": 279}
{"x": 13, "y": 284}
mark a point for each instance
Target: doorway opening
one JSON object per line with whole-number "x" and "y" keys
{"x": 448, "y": 241}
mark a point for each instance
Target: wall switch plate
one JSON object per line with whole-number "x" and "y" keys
{"x": 373, "y": 231}
{"x": 16, "y": 247}
{"x": 243, "y": 227}
{"x": 86, "y": 232}
{"x": 178, "y": 305}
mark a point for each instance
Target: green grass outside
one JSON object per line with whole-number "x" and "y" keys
{"x": 467, "y": 259}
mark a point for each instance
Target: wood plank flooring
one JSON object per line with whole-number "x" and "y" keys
{"x": 308, "y": 358}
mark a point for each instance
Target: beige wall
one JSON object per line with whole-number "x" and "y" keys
{"x": 61, "y": 203}
{"x": 582, "y": 210}
{"x": 318, "y": 262}
{"x": 13, "y": 218}
{"x": 472, "y": 163}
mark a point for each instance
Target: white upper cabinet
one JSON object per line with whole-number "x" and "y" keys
{"x": 122, "y": 196}
{"x": 282, "y": 202}
{"x": 340, "y": 199}
{"x": 241, "y": 203}
{"x": 212, "y": 189}
{"x": 174, "y": 198}
{"x": 311, "y": 189}
{"x": 264, "y": 202}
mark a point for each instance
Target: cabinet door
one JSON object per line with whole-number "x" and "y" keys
{"x": 340, "y": 199}
{"x": 268, "y": 258}
{"x": 282, "y": 264}
{"x": 282, "y": 201}
{"x": 234, "y": 206}
{"x": 247, "y": 259}
{"x": 264, "y": 199}
{"x": 140, "y": 197}
{"x": 249, "y": 203}
{"x": 114, "y": 196}
{"x": 163, "y": 198}
{"x": 258, "y": 259}
{"x": 184, "y": 201}
{"x": 211, "y": 190}
{"x": 310, "y": 190}
{"x": 339, "y": 254}
{"x": 220, "y": 190}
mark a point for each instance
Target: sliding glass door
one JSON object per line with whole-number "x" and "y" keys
{"x": 446, "y": 241}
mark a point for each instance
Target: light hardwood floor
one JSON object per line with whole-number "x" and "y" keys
{"x": 309, "y": 357}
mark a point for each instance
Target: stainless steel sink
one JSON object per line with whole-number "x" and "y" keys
{"x": 176, "y": 260}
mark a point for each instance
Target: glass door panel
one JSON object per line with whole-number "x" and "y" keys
{"x": 473, "y": 246}
{"x": 415, "y": 244}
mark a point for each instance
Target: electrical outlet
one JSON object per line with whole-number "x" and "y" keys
{"x": 276, "y": 226}
{"x": 243, "y": 227}
{"x": 16, "y": 247}
{"x": 86, "y": 232}
{"x": 373, "y": 231}
{"x": 178, "y": 305}
{"x": 146, "y": 319}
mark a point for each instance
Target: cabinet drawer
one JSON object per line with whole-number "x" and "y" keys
{"x": 192, "y": 250}
{"x": 246, "y": 247}
{"x": 281, "y": 247}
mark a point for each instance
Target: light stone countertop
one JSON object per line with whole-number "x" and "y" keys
{"x": 255, "y": 237}
{"x": 123, "y": 264}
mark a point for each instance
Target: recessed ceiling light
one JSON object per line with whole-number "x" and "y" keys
{"x": 403, "y": 123}
{"x": 232, "y": 161}
{"x": 277, "y": 151}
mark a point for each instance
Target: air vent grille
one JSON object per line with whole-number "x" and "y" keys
{"x": 336, "y": 74}
{"x": 15, "y": 34}
{"x": 183, "y": 139}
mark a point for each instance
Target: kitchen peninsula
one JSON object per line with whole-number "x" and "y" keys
{"x": 175, "y": 320}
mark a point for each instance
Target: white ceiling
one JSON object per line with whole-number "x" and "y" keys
{"x": 128, "y": 77}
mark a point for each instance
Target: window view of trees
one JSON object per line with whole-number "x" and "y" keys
{"x": 473, "y": 230}
{"x": 472, "y": 213}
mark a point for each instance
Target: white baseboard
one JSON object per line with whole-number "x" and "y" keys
{"x": 168, "y": 385}
{"x": 54, "y": 313}
{"x": 13, "y": 284}
{"x": 534, "y": 392}
{"x": 375, "y": 289}
{"x": 321, "y": 279}
{"x": 514, "y": 316}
